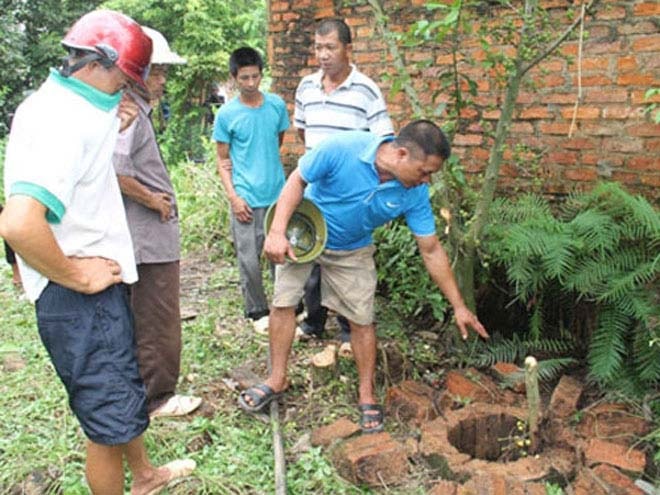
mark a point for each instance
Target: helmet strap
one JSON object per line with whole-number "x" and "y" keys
{"x": 67, "y": 68}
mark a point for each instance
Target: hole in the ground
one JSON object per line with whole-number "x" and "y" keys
{"x": 490, "y": 437}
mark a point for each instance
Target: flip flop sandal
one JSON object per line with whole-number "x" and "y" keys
{"x": 259, "y": 401}
{"x": 371, "y": 413}
{"x": 178, "y": 470}
{"x": 177, "y": 405}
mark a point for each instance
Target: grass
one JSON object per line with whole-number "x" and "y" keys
{"x": 40, "y": 439}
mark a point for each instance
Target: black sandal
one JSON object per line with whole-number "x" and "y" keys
{"x": 259, "y": 401}
{"x": 371, "y": 413}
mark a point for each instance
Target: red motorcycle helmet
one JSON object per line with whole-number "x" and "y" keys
{"x": 113, "y": 39}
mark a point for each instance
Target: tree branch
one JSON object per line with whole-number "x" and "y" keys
{"x": 397, "y": 58}
{"x": 559, "y": 40}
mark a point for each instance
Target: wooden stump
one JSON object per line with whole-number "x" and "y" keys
{"x": 324, "y": 364}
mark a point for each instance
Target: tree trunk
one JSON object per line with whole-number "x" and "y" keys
{"x": 474, "y": 234}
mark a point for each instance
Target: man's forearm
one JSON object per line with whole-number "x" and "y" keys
{"x": 439, "y": 268}
{"x": 133, "y": 189}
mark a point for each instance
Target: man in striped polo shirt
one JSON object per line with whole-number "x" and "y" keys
{"x": 336, "y": 98}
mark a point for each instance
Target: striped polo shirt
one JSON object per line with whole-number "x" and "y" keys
{"x": 356, "y": 104}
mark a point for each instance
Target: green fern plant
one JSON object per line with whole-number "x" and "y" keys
{"x": 551, "y": 355}
{"x": 599, "y": 251}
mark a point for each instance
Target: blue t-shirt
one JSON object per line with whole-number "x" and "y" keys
{"x": 254, "y": 147}
{"x": 343, "y": 182}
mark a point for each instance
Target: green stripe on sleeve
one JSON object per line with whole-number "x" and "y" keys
{"x": 55, "y": 207}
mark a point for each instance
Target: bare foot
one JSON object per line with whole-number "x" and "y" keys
{"x": 163, "y": 476}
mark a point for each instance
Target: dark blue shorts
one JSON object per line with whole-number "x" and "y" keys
{"x": 91, "y": 344}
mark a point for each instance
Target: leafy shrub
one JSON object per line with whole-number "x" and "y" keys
{"x": 600, "y": 253}
{"x": 203, "y": 208}
{"x": 402, "y": 276}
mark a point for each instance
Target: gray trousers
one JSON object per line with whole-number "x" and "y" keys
{"x": 249, "y": 243}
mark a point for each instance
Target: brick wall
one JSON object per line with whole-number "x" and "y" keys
{"x": 613, "y": 139}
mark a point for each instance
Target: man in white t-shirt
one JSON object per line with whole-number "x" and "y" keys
{"x": 65, "y": 219}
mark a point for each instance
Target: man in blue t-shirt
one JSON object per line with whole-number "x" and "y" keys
{"x": 359, "y": 181}
{"x": 249, "y": 131}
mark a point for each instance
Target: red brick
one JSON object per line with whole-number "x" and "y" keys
{"x": 535, "y": 488}
{"x": 647, "y": 44}
{"x": 341, "y": 428}
{"x": 609, "y": 13}
{"x": 644, "y": 130}
{"x": 522, "y": 128}
{"x": 552, "y": 4}
{"x": 586, "y": 484}
{"x": 625, "y": 64}
{"x": 643, "y": 27}
{"x": 561, "y": 98}
{"x": 491, "y": 114}
{"x": 635, "y": 79}
{"x": 623, "y": 144}
{"x": 590, "y": 158}
{"x": 279, "y": 6}
{"x": 506, "y": 370}
{"x": 643, "y": 163}
{"x": 492, "y": 484}
{"x": 566, "y": 394}
{"x": 561, "y": 157}
{"x": 444, "y": 487}
{"x": 625, "y": 177}
{"x": 480, "y": 154}
{"x": 647, "y": 8}
{"x": 593, "y": 81}
{"x": 583, "y": 113}
{"x": 468, "y": 140}
{"x": 526, "y": 98}
{"x": 470, "y": 385}
{"x": 639, "y": 98}
{"x": 411, "y": 401}
{"x": 579, "y": 144}
{"x": 622, "y": 112}
{"x": 446, "y": 59}
{"x": 581, "y": 175}
{"x": 596, "y": 46}
{"x": 616, "y": 481}
{"x": 290, "y": 16}
{"x": 652, "y": 145}
{"x": 552, "y": 81}
{"x": 569, "y": 49}
{"x": 551, "y": 66}
{"x": 372, "y": 459}
{"x": 365, "y": 58}
{"x": 599, "y": 451}
{"x": 599, "y": 95}
{"x": 590, "y": 64}
{"x": 555, "y": 128}
{"x": 650, "y": 180}
{"x": 534, "y": 113}
{"x": 613, "y": 422}
{"x": 600, "y": 129}
{"x": 599, "y": 32}
{"x": 324, "y": 12}
{"x": 469, "y": 113}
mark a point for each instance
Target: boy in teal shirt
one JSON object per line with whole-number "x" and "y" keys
{"x": 248, "y": 131}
